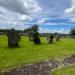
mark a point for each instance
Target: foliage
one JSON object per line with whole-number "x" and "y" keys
{"x": 33, "y": 29}
{"x": 72, "y": 31}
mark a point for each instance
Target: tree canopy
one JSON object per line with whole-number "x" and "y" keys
{"x": 72, "y": 31}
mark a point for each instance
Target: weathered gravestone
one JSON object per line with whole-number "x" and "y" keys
{"x": 36, "y": 38}
{"x": 13, "y": 38}
{"x": 57, "y": 37}
{"x": 30, "y": 36}
{"x": 51, "y": 37}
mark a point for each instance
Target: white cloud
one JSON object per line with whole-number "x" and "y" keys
{"x": 62, "y": 30}
{"x": 70, "y": 12}
{"x": 51, "y": 21}
{"x": 12, "y": 24}
{"x": 41, "y": 21}
{"x": 25, "y": 18}
{"x": 47, "y": 30}
{"x": 21, "y": 6}
{"x": 14, "y": 11}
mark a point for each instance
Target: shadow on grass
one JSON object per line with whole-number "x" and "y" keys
{"x": 28, "y": 45}
{"x": 49, "y": 44}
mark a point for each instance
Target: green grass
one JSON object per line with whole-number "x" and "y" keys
{"x": 31, "y": 53}
{"x": 65, "y": 71}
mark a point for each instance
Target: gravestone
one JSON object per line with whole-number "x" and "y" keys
{"x": 30, "y": 36}
{"x": 57, "y": 37}
{"x": 36, "y": 39}
{"x": 13, "y": 38}
{"x": 51, "y": 37}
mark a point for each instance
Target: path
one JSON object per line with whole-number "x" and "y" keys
{"x": 43, "y": 68}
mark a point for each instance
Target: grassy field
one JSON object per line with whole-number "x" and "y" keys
{"x": 31, "y": 53}
{"x": 65, "y": 71}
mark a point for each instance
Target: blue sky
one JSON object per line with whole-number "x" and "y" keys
{"x": 51, "y": 15}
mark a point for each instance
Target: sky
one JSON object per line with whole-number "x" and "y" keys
{"x": 50, "y": 15}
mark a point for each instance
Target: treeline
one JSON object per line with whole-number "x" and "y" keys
{"x": 34, "y": 28}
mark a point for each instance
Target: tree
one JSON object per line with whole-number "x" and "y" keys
{"x": 72, "y": 32}
{"x": 33, "y": 34}
{"x": 32, "y": 31}
{"x": 35, "y": 28}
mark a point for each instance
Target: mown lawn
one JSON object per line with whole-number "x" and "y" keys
{"x": 65, "y": 71}
{"x": 31, "y": 53}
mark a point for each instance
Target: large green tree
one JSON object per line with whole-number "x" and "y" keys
{"x": 33, "y": 29}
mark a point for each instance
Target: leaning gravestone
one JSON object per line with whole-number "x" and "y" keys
{"x": 13, "y": 38}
